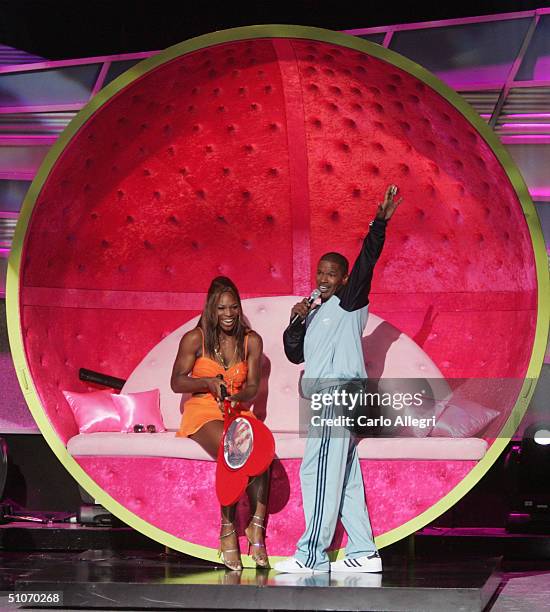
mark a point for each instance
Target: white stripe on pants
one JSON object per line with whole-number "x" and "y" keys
{"x": 332, "y": 488}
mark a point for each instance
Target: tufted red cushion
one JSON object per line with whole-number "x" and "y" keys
{"x": 251, "y": 159}
{"x": 141, "y": 485}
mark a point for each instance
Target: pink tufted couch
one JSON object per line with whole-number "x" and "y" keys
{"x": 389, "y": 353}
{"x": 116, "y": 460}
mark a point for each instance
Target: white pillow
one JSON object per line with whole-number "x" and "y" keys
{"x": 462, "y": 420}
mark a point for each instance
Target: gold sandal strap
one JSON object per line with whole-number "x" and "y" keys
{"x": 258, "y": 525}
{"x": 227, "y": 534}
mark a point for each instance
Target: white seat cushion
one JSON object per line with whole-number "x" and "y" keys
{"x": 163, "y": 444}
{"x": 288, "y": 446}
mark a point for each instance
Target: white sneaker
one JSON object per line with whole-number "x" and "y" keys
{"x": 293, "y": 566}
{"x": 368, "y": 563}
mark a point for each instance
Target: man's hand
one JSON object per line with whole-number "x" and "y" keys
{"x": 301, "y": 308}
{"x": 389, "y": 205}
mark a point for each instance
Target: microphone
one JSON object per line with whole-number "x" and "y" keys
{"x": 223, "y": 388}
{"x": 314, "y": 295}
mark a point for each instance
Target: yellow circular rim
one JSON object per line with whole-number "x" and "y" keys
{"x": 290, "y": 32}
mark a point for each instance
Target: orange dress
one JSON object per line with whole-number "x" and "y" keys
{"x": 203, "y": 407}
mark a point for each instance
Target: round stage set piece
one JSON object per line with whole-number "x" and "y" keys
{"x": 249, "y": 153}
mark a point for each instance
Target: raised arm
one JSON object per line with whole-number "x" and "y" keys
{"x": 355, "y": 293}
{"x": 180, "y": 381}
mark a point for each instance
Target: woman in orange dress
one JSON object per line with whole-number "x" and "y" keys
{"x": 222, "y": 344}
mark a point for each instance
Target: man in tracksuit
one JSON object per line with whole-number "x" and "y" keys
{"x": 327, "y": 339}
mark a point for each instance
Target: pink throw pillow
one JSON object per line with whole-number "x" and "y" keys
{"x": 93, "y": 411}
{"x": 463, "y": 421}
{"x": 141, "y": 408}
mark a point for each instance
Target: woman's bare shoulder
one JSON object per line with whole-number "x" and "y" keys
{"x": 254, "y": 340}
{"x": 192, "y": 340}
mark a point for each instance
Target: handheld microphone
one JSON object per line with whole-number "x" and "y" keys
{"x": 314, "y": 295}
{"x": 223, "y": 388}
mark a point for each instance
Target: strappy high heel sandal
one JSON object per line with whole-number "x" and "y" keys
{"x": 236, "y": 564}
{"x": 258, "y": 556}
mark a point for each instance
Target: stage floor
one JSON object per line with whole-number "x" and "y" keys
{"x": 157, "y": 581}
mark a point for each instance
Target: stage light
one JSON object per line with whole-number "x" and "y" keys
{"x": 542, "y": 437}
{"x": 94, "y": 514}
{"x": 530, "y": 463}
{"x": 534, "y": 465}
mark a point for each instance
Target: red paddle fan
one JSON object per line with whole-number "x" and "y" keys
{"x": 247, "y": 449}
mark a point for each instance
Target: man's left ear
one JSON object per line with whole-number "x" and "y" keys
{"x": 345, "y": 279}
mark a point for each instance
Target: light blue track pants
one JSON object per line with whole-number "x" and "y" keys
{"x": 332, "y": 488}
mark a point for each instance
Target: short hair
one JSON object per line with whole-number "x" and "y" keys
{"x": 338, "y": 259}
